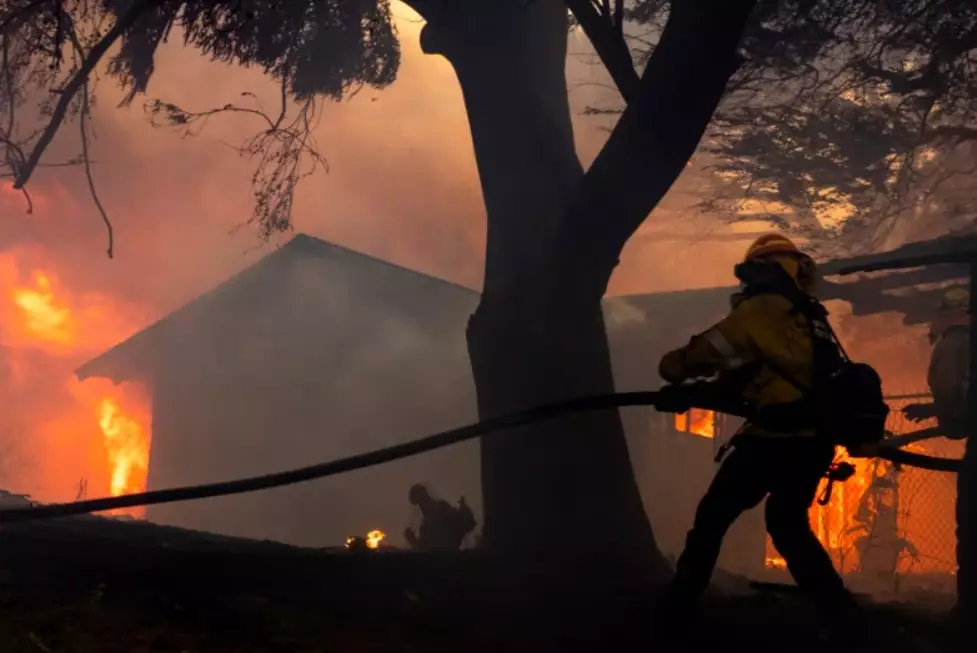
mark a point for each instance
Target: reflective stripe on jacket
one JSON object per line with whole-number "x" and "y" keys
{"x": 759, "y": 328}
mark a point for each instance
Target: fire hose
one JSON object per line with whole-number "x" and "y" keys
{"x": 396, "y": 452}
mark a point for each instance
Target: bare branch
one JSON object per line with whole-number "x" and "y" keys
{"x": 285, "y": 150}
{"x": 83, "y": 122}
{"x": 78, "y": 81}
{"x": 83, "y": 127}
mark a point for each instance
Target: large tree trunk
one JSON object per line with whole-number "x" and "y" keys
{"x": 561, "y": 497}
{"x": 556, "y": 490}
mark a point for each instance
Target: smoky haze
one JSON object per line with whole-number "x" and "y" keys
{"x": 402, "y": 187}
{"x": 340, "y": 354}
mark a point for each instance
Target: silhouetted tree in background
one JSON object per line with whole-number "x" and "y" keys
{"x": 851, "y": 120}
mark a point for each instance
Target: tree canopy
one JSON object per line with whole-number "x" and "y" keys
{"x": 314, "y": 49}
{"x": 846, "y": 116}
{"x": 853, "y": 115}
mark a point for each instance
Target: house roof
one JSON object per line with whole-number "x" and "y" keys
{"x": 903, "y": 288}
{"x": 904, "y": 285}
{"x": 133, "y": 356}
{"x": 894, "y": 291}
{"x": 950, "y": 249}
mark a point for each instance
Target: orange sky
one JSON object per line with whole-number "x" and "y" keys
{"x": 402, "y": 186}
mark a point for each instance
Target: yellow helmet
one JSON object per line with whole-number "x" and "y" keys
{"x": 771, "y": 244}
{"x": 782, "y": 251}
{"x": 955, "y": 299}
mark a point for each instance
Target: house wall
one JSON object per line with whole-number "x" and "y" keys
{"x": 327, "y": 366}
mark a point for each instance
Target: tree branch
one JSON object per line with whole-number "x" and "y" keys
{"x": 280, "y": 149}
{"x": 651, "y": 143}
{"x": 84, "y": 118}
{"x": 609, "y": 45}
{"x": 83, "y": 122}
{"x": 78, "y": 81}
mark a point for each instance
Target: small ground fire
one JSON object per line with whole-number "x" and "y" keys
{"x": 371, "y": 541}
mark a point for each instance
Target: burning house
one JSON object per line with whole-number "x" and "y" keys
{"x": 313, "y": 353}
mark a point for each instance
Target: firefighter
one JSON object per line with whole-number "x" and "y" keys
{"x": 785, "y": 467}
{"x": 443, "y": 527}
{"x": 948, "y": 378}
{"x": 949, "y": 366}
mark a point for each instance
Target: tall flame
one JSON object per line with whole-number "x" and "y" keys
{"x": 126, "y": 447}
{"x": 92, "y": 431}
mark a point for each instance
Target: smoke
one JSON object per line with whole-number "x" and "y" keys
{"x": 402, "y": 186}
{"x": 352, "y": 355}
{"x": 874, "y": 338}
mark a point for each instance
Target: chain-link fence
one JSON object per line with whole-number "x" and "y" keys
{"x": 891, "y": 526}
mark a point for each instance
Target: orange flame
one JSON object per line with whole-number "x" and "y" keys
{"x": 373, "y": 539}
{"x": 45, "y": 317}
{"x": 873, "y": 339}
{"x": 698, "y": 422}
{"x": 70, "y": 431}
{"x": 126, "y": 447}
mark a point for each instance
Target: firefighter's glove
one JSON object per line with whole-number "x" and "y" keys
{"x": 673, "y": 399}
{"x": 918, "y": 412}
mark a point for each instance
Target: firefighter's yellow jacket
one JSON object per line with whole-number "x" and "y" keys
{"x": 759, "y": 328}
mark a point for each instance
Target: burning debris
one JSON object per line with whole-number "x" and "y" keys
{"x": 369, "y": 543}
{"x": 373, "y": 539}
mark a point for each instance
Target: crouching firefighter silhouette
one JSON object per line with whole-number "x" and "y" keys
{"x": 776, "y": 352}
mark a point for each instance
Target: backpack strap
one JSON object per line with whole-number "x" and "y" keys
{"x": 799, "y": 303}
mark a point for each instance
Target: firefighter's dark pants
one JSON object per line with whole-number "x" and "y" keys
{"x": 966, "y": 510}
{"x": 787, "y": 473}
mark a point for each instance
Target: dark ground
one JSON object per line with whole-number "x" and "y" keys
{"x": 90, "y": 585}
